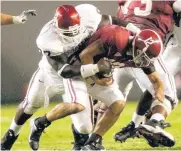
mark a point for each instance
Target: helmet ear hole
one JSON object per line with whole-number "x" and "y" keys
{"x": 67, "y": 20}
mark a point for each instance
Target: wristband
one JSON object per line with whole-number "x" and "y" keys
{"x": 131, "y": 27}
{"x": 16, "y": 20}
{"x": 89, "y": 70}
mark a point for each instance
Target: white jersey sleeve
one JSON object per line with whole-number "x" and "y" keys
{"x": 48, "y": 41}
{"x": 90, "y": 16}
{"x": 177, "y": 6}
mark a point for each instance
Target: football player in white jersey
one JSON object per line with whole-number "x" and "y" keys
{"x": 60, "y": 41}
{"x": 7, "y": 19}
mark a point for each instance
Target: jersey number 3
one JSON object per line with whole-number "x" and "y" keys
{"x": 137, "y": 10}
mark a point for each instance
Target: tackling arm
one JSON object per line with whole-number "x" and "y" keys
{"x": 59, "y": 63}
{"x": 87, "y": 55}
{"x": 105, "y": 67}
{"x": 109, "y": 20}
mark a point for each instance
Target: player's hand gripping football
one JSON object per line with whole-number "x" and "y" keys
{"x": 23, "y": 17}
{"x": 105, "y": 67}
{"x": 105, "y": 71}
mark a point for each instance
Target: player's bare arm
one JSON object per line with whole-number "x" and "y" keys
{"x": 157, "y": 85}
{"x": 88, "y": 54}
{"x": 87, "y": 57}
{"x": 109, "y": 20}
{"x": 7, "y": 19}
{"x": 95, "y": 49}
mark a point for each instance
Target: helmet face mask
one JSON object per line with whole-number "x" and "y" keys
{"x": 69, "y": 32}
{"x": 141, "y": 59}
{"x": 147, "y": 46}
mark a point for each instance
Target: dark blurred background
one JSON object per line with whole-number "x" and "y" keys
{"x": 19, "y": 54}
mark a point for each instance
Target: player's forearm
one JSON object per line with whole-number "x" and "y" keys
{"x": 6, "y": 19}
{"x": 87, "y": 55}
{"x": 155, "y": 80}
{"x": 70, "y": 71}
{"x": 21, "y": 19}
{"x": 65, "y": 70}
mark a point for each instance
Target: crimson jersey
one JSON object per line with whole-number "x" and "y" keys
{"x": 114, "y": 40}
{"x": 155, "y": 15}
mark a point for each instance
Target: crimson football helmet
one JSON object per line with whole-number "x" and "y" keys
{"x": 67, "y": 20}
{"x": 147, "y": 45}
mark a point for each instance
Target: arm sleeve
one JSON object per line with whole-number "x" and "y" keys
{"x": 65, "y": 70}
{"x": 71, "y": 71}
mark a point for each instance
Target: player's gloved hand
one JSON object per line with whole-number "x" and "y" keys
{"x": 23, "y": 17}
{"x": 104, "y": 66}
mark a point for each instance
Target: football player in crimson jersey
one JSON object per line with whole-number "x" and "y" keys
{"x": 7, "y": 19}
{"x": 148, "y": 14}
{"x": 115, "y": 43}
{"x": 160, "y": 16}
{"x": 60, "y": 42}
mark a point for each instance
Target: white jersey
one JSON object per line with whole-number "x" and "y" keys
{"x": 51, "y": 43}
